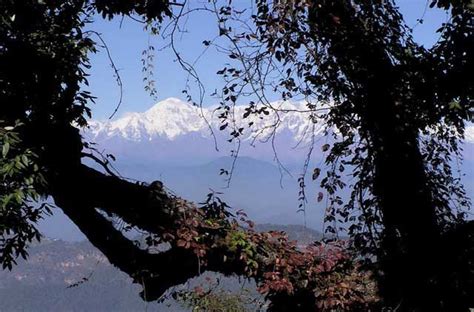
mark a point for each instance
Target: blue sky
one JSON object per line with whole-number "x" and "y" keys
{"x": 126, "y": 40}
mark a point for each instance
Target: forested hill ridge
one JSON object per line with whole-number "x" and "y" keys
{"x": 303, "y": 235}
{"x": 75, "y": 276}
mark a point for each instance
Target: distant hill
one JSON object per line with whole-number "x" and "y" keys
{"x": 256, "y": 186}
{"x": 75, "y": 276}
{"x": 302, "y": 234}
{"x": 65, "y": 276}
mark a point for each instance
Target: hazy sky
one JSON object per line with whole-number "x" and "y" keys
{"x": 127, "y": 39}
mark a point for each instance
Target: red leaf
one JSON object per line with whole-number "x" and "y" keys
{"x": 320, "y": 196}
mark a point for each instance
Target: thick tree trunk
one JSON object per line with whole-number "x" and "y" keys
{"x": 411, "y": 234}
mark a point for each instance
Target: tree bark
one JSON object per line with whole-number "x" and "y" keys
{"x": 411, "y": 233}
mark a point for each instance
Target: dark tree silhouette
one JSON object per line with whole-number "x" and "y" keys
{"x": 397, "y": 111}
{"x": 403, "y": 104}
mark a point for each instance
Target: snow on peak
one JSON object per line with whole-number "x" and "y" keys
{"x": 469, "y": 134}
{"x": 172, "y": 104}
{"x": 168, "y": 118}
{"x": 172, "y": 118}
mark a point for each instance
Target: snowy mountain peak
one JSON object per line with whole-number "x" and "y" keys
{"x": 169, "y": 118}
{"x": 172, "y": 118}
{"x": 170, "y": 105}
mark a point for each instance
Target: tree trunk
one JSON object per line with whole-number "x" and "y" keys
{"x": 411, "y": 234}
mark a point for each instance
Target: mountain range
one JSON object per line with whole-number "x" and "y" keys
{"x": 195, "y": 136}
{"x": 182, "y": 145}
{"x": 174, "y": 120}
{"x": 173, "y": 142}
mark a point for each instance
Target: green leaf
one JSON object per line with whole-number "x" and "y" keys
{"x": 5, "y": 149}
{"x": 455, "y": 105}
{"x": 470, "y": 6}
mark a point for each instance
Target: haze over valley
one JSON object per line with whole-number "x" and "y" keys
{"x": 172, "y": 142}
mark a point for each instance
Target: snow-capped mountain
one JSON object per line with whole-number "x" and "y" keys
{"x": 172, "y": 118}
{"x": 196, "y": 136}
{"x": 168, "y": 119}
{"x": 195, "y": 132}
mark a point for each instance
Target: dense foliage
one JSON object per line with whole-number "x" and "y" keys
{"x": 395, "y": 111}
{"x": 323, "y": 275}
{"x": 19, "y": 196}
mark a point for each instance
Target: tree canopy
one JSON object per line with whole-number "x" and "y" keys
{"x": 396, "y": 111}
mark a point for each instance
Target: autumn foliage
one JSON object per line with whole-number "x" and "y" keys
{"x": 326, "y": 272}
